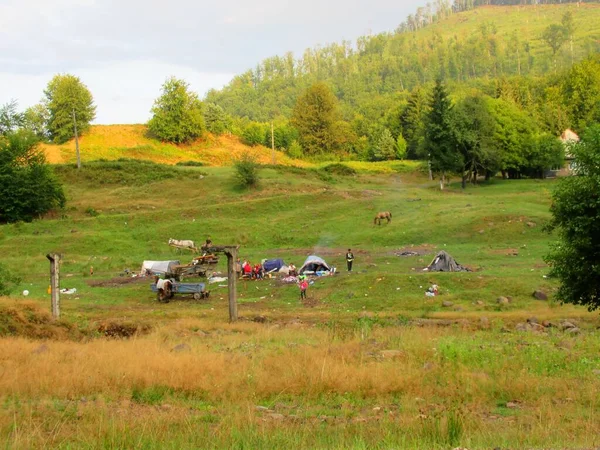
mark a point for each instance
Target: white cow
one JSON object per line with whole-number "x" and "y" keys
{"x": 182, "y": 244}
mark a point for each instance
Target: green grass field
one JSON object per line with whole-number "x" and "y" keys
{"x": 367, "y": 362}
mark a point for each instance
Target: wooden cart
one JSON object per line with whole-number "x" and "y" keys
{"x": 196, "y": 290}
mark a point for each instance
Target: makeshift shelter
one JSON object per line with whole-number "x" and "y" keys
{"x": 314, "y": 264}
{"x": 443, "y": 262}
{"x": 273, "y": 265}
{"x": 158, "y": 267}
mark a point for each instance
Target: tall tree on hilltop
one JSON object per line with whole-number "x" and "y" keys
{"x": 439, "y": 145}
{"x": 581, "y": 92}
{"x": 412, "y": 120}
{"x": 315, "y": 116}
{"x": 474, "y": 127}
{"x": 10, "y": 118}
{"x": 568, "y": 25}
{"x": 67, "y": 97}
{"x": 555, "y": 37}
{"x": 177, "y": 114}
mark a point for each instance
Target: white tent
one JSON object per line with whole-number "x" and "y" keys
{"x": 314, "y": 264}
{"x": 157, "y": 267}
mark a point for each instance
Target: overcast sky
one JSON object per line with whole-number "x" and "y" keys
{"x": 123, "y": 50}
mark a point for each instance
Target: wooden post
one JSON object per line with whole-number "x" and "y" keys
{"x": 76, "y": 141}
{"x": 55, "y": 283}
{"x": 232, "y": 255}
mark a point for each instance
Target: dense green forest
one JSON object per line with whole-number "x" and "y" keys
{"x": 515, "y": 78}
{"x": 370, "y": 75}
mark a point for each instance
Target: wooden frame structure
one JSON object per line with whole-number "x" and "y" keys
{"x": 231, "y": 251}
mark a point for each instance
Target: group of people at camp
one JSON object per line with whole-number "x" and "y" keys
{"x": 245, "y": 269}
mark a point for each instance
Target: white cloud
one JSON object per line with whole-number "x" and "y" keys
{"x": 109, "y": 43}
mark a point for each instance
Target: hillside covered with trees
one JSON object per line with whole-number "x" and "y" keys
{"x": 471, "y": 48}
{"x": 513, "y": 79}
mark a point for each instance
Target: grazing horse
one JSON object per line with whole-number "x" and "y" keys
{"x": 383, "y": 215}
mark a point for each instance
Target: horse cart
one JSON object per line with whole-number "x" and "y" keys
{"x": 198, "y": 268}
{"x": 166, "y": 290}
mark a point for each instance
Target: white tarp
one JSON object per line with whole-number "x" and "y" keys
{"x": 157, "y": 267}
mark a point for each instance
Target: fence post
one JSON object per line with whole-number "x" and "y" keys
{"x": 55, "y": 283}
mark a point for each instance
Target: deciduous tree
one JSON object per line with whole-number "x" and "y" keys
{"x": 576, "y": 216}
{"x": 177, "y": 114}
{"x": 66, "y": 96}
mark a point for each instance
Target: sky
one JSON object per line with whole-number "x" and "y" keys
{"x": 123, "y": 50}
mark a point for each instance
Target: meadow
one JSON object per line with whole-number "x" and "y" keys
{"x": 366, "y": 362}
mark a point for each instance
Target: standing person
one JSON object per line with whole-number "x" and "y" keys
{"x": 238, "y": 268}
{"x": 349, "y": 260}
{"x": 303, "y": 285}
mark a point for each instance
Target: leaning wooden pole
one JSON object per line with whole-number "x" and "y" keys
{"x": 55, "y": 283}
{"x": 232, "y": 255}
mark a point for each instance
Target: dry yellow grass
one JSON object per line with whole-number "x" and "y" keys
{"x": 131, "y": 141}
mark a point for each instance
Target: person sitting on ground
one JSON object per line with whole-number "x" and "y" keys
{"x": 247, "y": 269}
{"x": 258, "y": 272}
{"x": 293, "y": 272}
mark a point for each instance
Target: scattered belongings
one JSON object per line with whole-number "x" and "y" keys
{"x": 315, "y": 265}
{"x": 151, "y": 268}
{"x": 408, "y": 253}
{"x": 432, "y": 291}
{"x": 68, "y": 291}
{"x": 290, "y": 280}
{"x": 443, "y": 262}
{"x": 214, "y": 279}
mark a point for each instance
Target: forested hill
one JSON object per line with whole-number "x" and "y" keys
{"x": 474, "y": 46}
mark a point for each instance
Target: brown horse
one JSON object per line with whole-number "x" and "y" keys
{"x": 381, "y": 216}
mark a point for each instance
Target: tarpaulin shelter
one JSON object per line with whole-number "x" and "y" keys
{"x": 314, "y": 264}
{"x": 158, "y": 267}
{"x": 443, "y": 262}
{"x": 273, "y": 265}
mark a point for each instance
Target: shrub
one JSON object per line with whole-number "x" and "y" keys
{"x": 246, "y": 171}
{"x": 28, "y": 187}
{"x": 295, "y": 150}
{"x": 8, "y": 281}
{"x": 254, "y": 134}
{"x": 190, "y": 164}
{"x": 339, "y": 169}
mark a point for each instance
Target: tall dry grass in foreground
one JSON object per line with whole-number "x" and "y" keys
{"x": 408, "y": 385}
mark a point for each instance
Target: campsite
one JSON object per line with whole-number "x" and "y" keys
{"x": 368, "y": 357}
{"x": 229, "y": 225}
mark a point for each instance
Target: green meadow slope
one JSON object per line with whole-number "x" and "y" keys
{"x": 366, "y": 362}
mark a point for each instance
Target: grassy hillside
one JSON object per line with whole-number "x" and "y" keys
{"x": 470, "y": 48}
{"x": 113, "y": 142}
{"x": 367, "y": 362}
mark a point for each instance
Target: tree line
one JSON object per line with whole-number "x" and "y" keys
{"x": 367, "y": 75}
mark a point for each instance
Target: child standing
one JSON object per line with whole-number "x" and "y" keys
{"x": 303, "y": 287}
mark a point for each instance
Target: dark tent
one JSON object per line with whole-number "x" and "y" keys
{"x": 271, "y": 265}
{"x": 443, "y": 262}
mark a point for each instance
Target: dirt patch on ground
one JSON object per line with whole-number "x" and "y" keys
{"x": 505, "y": 251}
{"x": 123, "y": 330}
{"x": 414, "y": 250}
{"x": 118, "y": 281}
{"x": 310, "y": 302}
